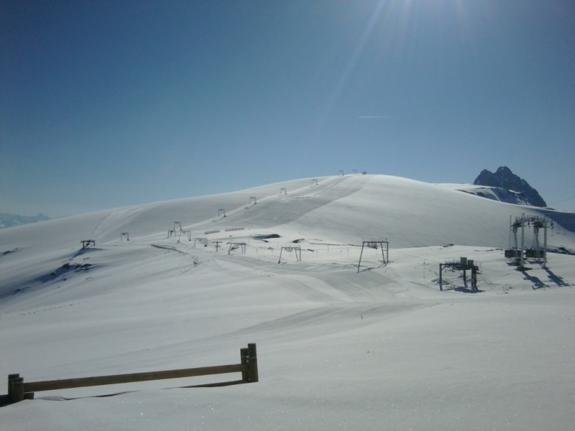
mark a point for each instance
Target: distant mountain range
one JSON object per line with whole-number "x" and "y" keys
{"x": 504, "y": 185}
{"x": 10, "y": 220}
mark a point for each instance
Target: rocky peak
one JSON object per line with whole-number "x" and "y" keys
{"x": 504, "y": 178}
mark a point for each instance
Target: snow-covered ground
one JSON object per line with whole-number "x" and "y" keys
{"x": 337, "y": 349}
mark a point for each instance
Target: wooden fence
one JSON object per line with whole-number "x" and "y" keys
{"x": 19, "y": 390}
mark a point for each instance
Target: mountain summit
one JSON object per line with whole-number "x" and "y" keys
{"x": 504, "y": 178}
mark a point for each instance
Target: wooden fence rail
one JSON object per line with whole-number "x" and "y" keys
{"x": 18, "y": 390}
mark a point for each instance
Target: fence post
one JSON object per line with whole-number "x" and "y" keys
{"x": 245, "y": 362}
{"x": 252, "y": 363}
{"x": 441, "y": 277}
{"x": 15, "y": 388}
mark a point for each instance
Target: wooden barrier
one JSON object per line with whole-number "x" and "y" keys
{"x": 18, "y": 390}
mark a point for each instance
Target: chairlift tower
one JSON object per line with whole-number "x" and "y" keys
{"x": 237, "y": 245}
{"x": 296, "y": 250}
{"x": 88, "y": 243}
{"x": 177, "y": 230}
{"x": 518, "y": 250}
{"x": 463, "y": 265}
{"x": 381, "y": 244}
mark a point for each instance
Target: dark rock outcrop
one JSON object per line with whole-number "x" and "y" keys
{"x": 503, "y": 178}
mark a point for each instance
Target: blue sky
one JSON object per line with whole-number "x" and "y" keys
{"x": 111, "y": 103}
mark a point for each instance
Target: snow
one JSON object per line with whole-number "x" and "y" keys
{"x": 488, "y": 192}
{"x": 337, "y": 349}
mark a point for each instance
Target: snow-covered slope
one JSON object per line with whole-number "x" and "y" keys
{"x": 338, "y": 349}
{"x": 9, "y": 220}
{"x": 350, "y": 208}
{"x": 494, "y": 193}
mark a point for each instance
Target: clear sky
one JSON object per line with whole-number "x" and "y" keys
{"x": 111, "y": 103}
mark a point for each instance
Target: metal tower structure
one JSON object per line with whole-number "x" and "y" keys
{"x": 381, "y": 244}
{"x": 518, "y": 250}
{"x": 291, "y": 249}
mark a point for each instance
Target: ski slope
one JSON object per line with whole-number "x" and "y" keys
{"x": 338, "y": 349}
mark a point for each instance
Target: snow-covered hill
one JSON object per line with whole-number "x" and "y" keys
{"x": 344, "y": 208}
{"x": 382, "y": 348}
{"x": 10, "y": 220}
